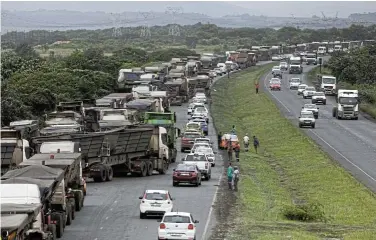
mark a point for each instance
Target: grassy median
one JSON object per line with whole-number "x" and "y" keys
{"x": 290, "y": 189}
{"x": 368, "y": 92}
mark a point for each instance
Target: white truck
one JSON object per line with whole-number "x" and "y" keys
{"x": 347, "y": 106}
{"x": 321, "y": 51}
{"x": 328, "y": 84}
{"x": 337, "y": 48}
{"x": 295, "y": 65}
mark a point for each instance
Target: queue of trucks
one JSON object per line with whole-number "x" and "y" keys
{"x": 132, "y": 131}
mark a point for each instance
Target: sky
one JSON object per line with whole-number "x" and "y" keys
{"x": 276, "y": 9}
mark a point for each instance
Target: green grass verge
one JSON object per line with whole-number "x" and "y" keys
{"x": 290, "y": 176}
{"x": 366, "y": 90}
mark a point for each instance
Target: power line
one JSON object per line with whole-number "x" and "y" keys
{"x": 145, "y": 30}
{"x": 174, "y": 29}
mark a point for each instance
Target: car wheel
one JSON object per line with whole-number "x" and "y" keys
{"x": 197, "y": 183}
{"x": 304, "y": 97}
{"x": 300, "y": 126}
{"x": 213, "y": 165}
{"x": 182, "y": 150}
{"x": 313, "y": 126}
{"x": 142, "y": 215}
{"x": 324, "y": 103}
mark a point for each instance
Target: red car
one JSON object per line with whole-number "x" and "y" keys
{"x": 188, "y": 139}
{"x": 185, "y": 173}
{"x": 275, "y": 85}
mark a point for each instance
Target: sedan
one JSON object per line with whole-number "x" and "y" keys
{"x": 185, "y": 173}
{"x": 311, "y": 108}
{"x": 275, "y": 85}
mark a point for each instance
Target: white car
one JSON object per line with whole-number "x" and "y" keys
{"x": 203, "y": 111}
{"x": 218, "y": 71}
{"x": 308, "y": 92}
{"x": 194, "y": 106}
{"x": 276, "y": 58}
{"x": 275, "y": 80}
{"x": 283, "y": 66}
{"x": 212, "y": 74}
{"x": 309, "y": 107}
{"x": 203, "y": 140}
{"x": 278, "y": 68}
{"x": 202, "y": 162}
{"x": 210, "y": 154}
{"x": 190, "y": 108}
{"x": 301, "y": 88}
{"x": 294, "y": 83}
{"x": 200, "y": 98}
{"x": 319, "y": 97}
{"x": 200, "y": 145}
{"x": 177, "y": 225}
{"x": 307, "y": 119}
{"x": 155, "y": 202}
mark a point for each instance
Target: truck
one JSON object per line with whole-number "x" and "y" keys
{"x": 58, "y": 203}
{"x": 127, "y": 79}
{"x": 207, "y": 64}
{"x": 168, "y": 121}
{"x": 177, "y": 90}
{"x": 347, "y": 106}
{"x": 327, "y": 84}
{"x": 200, "y": 81}
{"x": 311, "y": 58}
{"x": 295, "y": 65}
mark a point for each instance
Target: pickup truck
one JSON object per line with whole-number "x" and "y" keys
{"x": 202, "y": 163}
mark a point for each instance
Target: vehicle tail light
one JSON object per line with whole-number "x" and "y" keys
{"x": 206, "y": 165}
{"x": 191, "y": 227}
{"x": 162, "y": 226}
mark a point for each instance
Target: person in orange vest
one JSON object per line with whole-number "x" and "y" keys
{"x": 257, "y": 87}
{"x": 237, "y": 151}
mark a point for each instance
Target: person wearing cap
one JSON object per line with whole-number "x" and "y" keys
{"x": 246, "y": 142}
{"x": 235, "y": 178}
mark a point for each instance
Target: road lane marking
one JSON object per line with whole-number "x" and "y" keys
{"x": 266, "y": 88}
{"x": 212, "y": 205}
{"x": 348, "y": 160}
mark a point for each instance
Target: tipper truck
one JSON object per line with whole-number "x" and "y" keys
{"x": 347, "y": 106}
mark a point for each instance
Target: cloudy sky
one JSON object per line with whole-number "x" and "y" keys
{"x": 283, "y": 9}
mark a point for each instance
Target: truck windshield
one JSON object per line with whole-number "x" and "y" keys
{"x": 348, "y": 100}
{"x": 329, "y": 80}
{"x": 54, "y": 147}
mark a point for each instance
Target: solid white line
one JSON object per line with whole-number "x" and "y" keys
{"x": 212, "y": 204}
{"x": 266, "y": 87}
{"x": 360, "y": 169}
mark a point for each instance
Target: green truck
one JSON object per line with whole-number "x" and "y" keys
{"x": 166, "y": 120}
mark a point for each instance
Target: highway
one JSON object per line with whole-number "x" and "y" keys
{"x": 352, "y": 143}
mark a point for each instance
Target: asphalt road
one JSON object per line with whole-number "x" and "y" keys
{"x": 352, "y": 143}
{"x": 111, "y": 209}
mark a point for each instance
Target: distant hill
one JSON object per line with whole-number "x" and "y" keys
{"x": 64, "y": 20}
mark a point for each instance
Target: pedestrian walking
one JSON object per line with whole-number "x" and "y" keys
{"x": 237, "y": 151}
{"x": 246, "y": 142}
{"x": 256, "y": 143}
{"x": 257, "y": 87}
{"x": 233, "y": 130}
{"x": 230, "y": 172}
{"x": 229, "y": 150}
{"x": 235, "y": 178}
{"x": 219, "y": 140}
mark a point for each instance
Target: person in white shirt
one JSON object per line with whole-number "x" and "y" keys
{"x": 235, "y": 178}
{"x": 246, "y": 142}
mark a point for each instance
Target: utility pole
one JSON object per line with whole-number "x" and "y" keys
{"x": 145, "y": 30}
{"x": 116, "y": 32}
{"x": 174, "y": 30}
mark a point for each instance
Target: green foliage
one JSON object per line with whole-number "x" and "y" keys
{"x": 305, "y": 212}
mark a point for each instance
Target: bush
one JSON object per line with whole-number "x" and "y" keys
{"x": 309, "y": 212}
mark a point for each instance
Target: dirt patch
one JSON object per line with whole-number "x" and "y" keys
{"x": 224, "y": 207}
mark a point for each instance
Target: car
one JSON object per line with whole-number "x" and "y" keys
{"x": 275, "y": 79}
{"x": 219, "y": 71}
{"x": 200, "y": 98}
{"x": 212, "y": 74}
{"x": 186, "y": 173}
{"x": 275, "y": 85}
{"x": 177, "y": 225}
{"x": 276, "y": 58}
{"x": 276, "y": 68}
{"x": 203, "y": 111}
{"x": 210, "y": 154}
{"x": 308, "y": 92}
{"x": 319, "y": 97}
{"x": 301, "y": 88}
{"x": 294, "y": 83}
{"x": 203, "y": 140}
{"x": 283, "y": 66}
{"x": 190, "y": 108}
{"x": 295, "y": 69}
{"x": 306, "y": 118}
{"x": 202, "y": 162}
{"x": 155, "y": 202}
{"x": 277, "y": 73}
{"x": 188, "y": 139}
{"x": 200, "y": 145}
{"x": 204, "y": 125}
{"x": 196, "y": 105}
{"x": 309, "y": 107}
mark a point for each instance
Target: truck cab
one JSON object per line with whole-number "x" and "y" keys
{"x": 347, "y": 106}
{"x": 337, "y": 48}
{"x": 295, "y": 65}
{"x": 321, "y": 51}
{"x": 328, "y": 84}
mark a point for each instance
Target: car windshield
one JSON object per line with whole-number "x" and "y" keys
{"x": 302, "y": 87}
{"x": 176, "y": 219}
{"x": 200, "y": 109}
{"x": 275, "y": 82}
{"x": 186, "y": 168}
{"x": 197, "y": 106}
{"x": 155, "y": 196}
{"x": 307, "y": 115}
{"x": 310, "y": 88}
{"x": 206, "y": 141}
{"x": 283, "y": 63}
{"x": 295, "y": 79}
{"x": 310, "y": 106}
{"x": 195, "y": 158}
{"x": 319, "y": 94}
{"x": 207, "y": 151}
{"x": 191, "y": 135}
{"x": 193, "y": 125}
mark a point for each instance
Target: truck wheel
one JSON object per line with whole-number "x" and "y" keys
{"x": 102, "y": 175}
{"x": 52, "y": 229}
{"x": 324, "y": 103}
{"x": 109, "y": 173}
{"x": 69, "y": 214}
{"x": 150, "y": 168}
{"x": 59, "y": 224}
{"x": 144, "y": 170}
{"x": 164, "y": 167}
